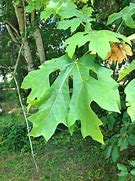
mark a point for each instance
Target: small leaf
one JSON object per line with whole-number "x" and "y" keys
{"x": 115, "y": 153}
{"x": 122, "y": 167}
{"x": 133, "y": 172}
{"x": 123, "y": 176}
{"x": 29, "y": 8}
{"x": 131, "y": 139}
{"x": 132, "y": 163}
{"x": 67, "y": 10}
{"x": 45, "y": 14}
{"x": 108, "y": 151}
{"x": 123, "y": 143}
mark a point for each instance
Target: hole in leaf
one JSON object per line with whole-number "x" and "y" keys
{"x": 93, "y": 74}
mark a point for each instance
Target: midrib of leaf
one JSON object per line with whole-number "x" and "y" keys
{"x": 59, "y": 90}
{"x": 79, "y": 71}
{"x": 83, "y": 81}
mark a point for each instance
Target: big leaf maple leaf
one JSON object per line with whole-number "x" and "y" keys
{"x": 99, "y": 41}
{"x": 57, "y": 104}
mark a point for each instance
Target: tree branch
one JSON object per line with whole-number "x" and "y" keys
{"x": 15, "y": 30}
{"x": 11, "y": 33}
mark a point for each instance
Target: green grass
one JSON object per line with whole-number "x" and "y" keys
{"x": 63, "y": 158}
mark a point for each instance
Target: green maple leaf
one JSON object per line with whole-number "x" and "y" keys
{"x": 57, "y": 105}
{"x": 68, "y": 9}
{"x": 99, "y": 41}
{"x": 65, "y": 9}
{"x": 50, "y": 9}
{"x": 130, "y": 98}
{"x": 69, "y": 14}
{"x": 73, "y": 23}
{"x": 82, "y": 17}
{"x": 125, "y": 14}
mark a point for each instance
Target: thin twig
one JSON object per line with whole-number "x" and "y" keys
{"x": 11, "y": 33}
{"x": 18, "y": 58}
{"x": 117, "y": 64}
{"x": 23, "y": 109}
{"x": 15, "y": 30}
{"x": 27, "y": 124}
{"x": 25, "y": 20}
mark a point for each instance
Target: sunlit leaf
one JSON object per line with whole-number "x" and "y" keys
{"x": 99, "y": 41}
{"x": 55, "y": 103}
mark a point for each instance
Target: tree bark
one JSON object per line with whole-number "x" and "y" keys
{"x": 19, "y": 11}
{"x": 39, "y": 41}
{"x": 39, "y": 45}
{"x": 27, "y": 55}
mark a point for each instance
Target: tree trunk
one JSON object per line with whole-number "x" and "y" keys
{"x": 19, "y": 10}
{"x": 39, "y": 45}
{"x": 39, "y": 41}
{"x": 27, "y": 55}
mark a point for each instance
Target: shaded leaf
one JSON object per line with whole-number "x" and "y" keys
{"x": 115, "y": 153}
{"x": 122, "y": 167}
{"x": 123, "y": 143}
{"x": 133, "y": 172}
{"x": 125, "y": 14}
{"x": 130, "y": 98}
{"x": 108, "y": 151}
{"x": 132, "y": 163}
